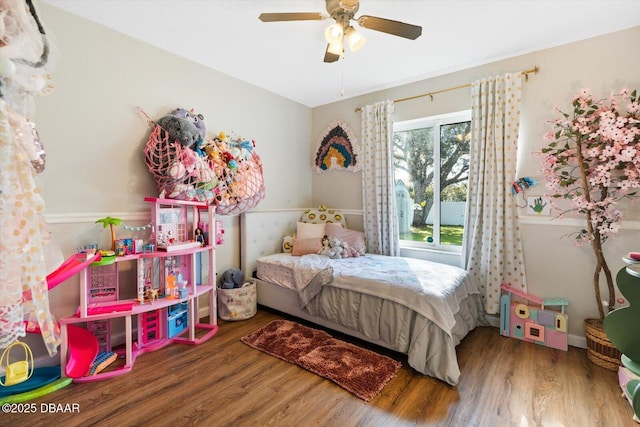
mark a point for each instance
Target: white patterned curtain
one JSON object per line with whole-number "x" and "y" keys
{"x": 378, "y": 194}
{"x": 25, "y": 241}
{"x": 492, "y": 246}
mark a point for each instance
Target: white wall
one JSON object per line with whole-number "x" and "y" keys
{"x": 94, "y": 138}
{"x": 554, "y": 266}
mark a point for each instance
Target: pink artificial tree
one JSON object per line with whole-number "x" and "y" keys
{"x": 593, "y": 160}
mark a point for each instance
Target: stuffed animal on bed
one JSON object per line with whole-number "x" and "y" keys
{"x": 336, "y": 249}
{"x": 231, "y": 278}
{"x": 349, "y": 251}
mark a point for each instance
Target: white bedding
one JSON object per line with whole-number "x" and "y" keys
{"x": 431, "y": 289}
{"x": 272, "y": 271}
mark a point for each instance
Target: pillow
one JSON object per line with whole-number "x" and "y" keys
{"x": 353, "y": 238}
{"x": 287, "y": 243}
{"x": 322, "y": 214}
{"x": 306, "y": 231}
{"x": 306, "y": 246}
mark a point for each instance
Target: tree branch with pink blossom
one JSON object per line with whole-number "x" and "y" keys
{"x": 593, "y": 161}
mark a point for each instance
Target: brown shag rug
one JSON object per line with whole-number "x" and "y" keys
{"x": 360, "y": 371}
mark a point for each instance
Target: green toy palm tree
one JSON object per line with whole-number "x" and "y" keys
{"x": 110, "y": 221}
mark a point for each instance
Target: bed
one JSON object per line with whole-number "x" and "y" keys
{"x": 415, "y": 307}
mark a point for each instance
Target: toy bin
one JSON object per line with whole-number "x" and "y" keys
{"x": 178, "y": 319}
{"x": 238, "y": 303}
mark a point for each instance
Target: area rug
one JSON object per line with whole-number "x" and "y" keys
{"x": 359, "y": 371}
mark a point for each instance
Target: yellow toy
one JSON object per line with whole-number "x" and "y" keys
{"x": 20, "y": 371}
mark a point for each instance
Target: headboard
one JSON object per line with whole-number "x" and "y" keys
{"x": 261, "y": 233}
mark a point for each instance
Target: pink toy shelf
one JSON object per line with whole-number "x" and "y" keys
{"x": 179, "y": 270}
{"x": 533, "y": 319}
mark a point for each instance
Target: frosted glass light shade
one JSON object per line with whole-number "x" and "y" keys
{"x": 334, "y": 33}
{"x": 336, "y": 48}
{"x": 354, "y": 38}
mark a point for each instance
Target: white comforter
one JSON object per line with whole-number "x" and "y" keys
{"x": 431, "y": 289}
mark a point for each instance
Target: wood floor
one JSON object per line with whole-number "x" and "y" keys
{"x": 504, "y": 382}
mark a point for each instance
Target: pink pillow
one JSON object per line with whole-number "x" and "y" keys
{"x": 353, "y": 239}
{"x": 306, "y": 230}
{"x": 306, "y": 246}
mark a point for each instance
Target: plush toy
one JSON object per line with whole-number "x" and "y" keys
{"x": 180, "y": 130}
{"x": 179, "y": 191}
{"x": 211, "y": 150}
{"x": 231, "y": 278}
{"x": 199, "y": 148}
{"x": 196, "y": 119}
{"x": 348, "y": 251}
{"x": 198, "y": 122}
{"x": 326, "y": 247}
{"x": 336, "y": 248}
{"x": 245, "y": 149}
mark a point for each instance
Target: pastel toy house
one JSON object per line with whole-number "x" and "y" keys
{"x": 533, "y": 319}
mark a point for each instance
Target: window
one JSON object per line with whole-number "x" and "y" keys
{"x": 431, "y": 160}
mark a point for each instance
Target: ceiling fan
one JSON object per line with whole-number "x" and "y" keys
{"x": 343, "y": 11}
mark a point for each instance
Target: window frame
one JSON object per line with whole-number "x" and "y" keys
{"x": 435, "y": 122}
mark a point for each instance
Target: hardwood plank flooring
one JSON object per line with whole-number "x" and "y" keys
{"x": 223, "y": 382}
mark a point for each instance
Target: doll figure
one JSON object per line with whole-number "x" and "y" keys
{"x": 199, "y": 236}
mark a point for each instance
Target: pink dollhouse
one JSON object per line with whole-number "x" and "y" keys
{"x": 179, "y": 270}
{"x": 533, "y": 319}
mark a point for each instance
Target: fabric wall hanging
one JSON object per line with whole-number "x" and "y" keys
{"x": 337, "y": 149}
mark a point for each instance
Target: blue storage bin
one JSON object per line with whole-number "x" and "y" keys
{"x": 178, "y": 320}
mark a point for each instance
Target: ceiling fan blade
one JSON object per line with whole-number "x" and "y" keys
{"x": 294, "y": 16}
{"x": 330, "y": 57}
{"x": 389, "y": 26}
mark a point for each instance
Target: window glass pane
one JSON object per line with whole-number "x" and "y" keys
{"x": 413, "y": 153}
{"x": 431, "y": 158}
{"x": 454, "y": 178}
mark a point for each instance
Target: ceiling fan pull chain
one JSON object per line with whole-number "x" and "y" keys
{"x": 342, "y": 77}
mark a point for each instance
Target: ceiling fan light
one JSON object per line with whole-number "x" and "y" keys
{"x": 350, "y": 5}
{"x": 334, "y": 33}
{"x": 355, "y": 39}
{"x": 336, "y": 48}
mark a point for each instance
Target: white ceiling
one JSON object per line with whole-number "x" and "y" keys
{"x": 287, "y": 57}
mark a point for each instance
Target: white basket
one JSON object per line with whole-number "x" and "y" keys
{"x": 238, "y": 303}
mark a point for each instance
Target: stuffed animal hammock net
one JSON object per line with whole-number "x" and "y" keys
{"x": 223, "y": 172}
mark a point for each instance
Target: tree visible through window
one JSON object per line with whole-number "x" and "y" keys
{"x": 431, "y": 159}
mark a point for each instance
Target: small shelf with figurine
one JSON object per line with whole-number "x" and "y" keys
{"x": 172, "y": 272}
{"x": 179, "y": 246}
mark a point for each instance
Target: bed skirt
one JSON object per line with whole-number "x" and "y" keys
{"x": 430, "y": 350}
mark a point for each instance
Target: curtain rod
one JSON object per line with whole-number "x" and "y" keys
{"x": 526, "y": 73}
